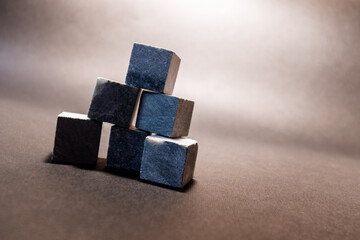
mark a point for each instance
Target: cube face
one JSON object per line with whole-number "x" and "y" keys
{"x": 168, "y": 161}
{"x": 165, "y": 115}
{"x": 77, "y": 139}
{"x": 183, "y": 118}
{"x": 157, "y": 113}
{"x": 125, "y": 148}
{"x": 113, "y": 102}
{"x": 152, "y": 68}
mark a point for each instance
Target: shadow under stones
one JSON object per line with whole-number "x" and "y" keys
{"x": 185, "y": 189}
{"x": 48, "y": 158}
{"x": 122, "y": 173}
{"x": 101, "y": 166}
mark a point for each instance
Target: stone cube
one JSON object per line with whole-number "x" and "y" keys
{"x": 152, "y": 68}
{"x": 113, "y": 102}
{"x": 77, "y": 139}
{"x": 165, "y": 115}
{"x": 168, "y": 161}
{"x": 125, "y": 148}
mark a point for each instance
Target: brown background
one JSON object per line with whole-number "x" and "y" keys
{"x": 276, "y": 115}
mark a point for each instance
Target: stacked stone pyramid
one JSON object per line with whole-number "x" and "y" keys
{"x": 157, "y": 146}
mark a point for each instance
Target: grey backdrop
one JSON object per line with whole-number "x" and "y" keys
{"x": 269, "y": 69}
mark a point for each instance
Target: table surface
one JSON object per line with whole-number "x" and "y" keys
{"x": 242, "y": 189}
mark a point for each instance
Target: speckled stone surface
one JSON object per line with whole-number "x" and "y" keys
{"x": 165, "y": 115}
{"x": 125, "y": 148}
{"x": 183, "y": 118}
{"x": 168, "y": 161}
{"x": 113, "y": 102}
{"x": 152, "y": 68}
{"x": 77, "y": 139}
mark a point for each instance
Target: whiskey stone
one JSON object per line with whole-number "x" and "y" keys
{"x": 165, "y": 115}
{"x": 152, "y": 68}
{"x": 77, "y": 139}
{"x": 168, "y": 161}
{"x": 113, "y": 102}
{"x": 125, "y": 148}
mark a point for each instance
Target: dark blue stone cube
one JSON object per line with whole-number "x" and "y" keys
{"x": 165, "y": 115}
{"x": 77, "y": 139}
{"x": 152, "y": 68}
{"x": 113, "y": 102}
{"x": 125, "y": 148}
{"x": 168, "y": 161}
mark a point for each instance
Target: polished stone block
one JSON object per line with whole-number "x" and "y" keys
{"x": 125, "y": 148}
{"x": 77, "y": 139}
{"x": 168, "y": 161}
{"x": 152, "y": 68}
{"x": 113, "y": 102}
{"x": 165, "y": 115}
